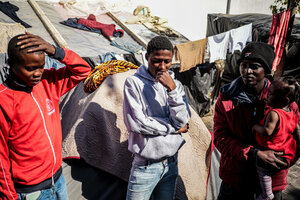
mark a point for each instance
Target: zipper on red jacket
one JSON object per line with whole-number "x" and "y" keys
{"x": 44, "y": 122}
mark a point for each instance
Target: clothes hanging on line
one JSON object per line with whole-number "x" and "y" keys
{"x": 190, "y": 54}
{"x": 217, "y": 46}
{"x": 239, "y": 37}
{"x": 236, "y": 39}
{"x": 280, "y": 23}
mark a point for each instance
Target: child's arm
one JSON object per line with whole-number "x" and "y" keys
{"x": 270, "y": 124}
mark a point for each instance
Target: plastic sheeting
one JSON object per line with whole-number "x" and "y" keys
{"x": 198, "y": 82}
{"x": 261, "y": 25}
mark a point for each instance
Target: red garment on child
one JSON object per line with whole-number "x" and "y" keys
{"x": 283, "y": 140}
{"x": 106, "y": 29}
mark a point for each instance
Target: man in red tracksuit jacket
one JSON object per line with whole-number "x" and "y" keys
{"x": 240, "y": 105}
{"x": 30, "y": 128}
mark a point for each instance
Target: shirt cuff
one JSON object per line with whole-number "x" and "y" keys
{"x": 59, "y": 53}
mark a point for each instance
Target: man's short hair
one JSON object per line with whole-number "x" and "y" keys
{"x": 14, "y": 50}
{"x": 159, "y": 43}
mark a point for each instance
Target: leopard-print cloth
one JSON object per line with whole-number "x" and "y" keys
{"x": 100, "y": 72}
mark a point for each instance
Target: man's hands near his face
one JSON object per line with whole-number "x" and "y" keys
{"x": 29, "y": 40}
{"x": 166, "y": 80}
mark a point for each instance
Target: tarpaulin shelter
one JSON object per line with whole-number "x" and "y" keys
{"x": 88, "y": 124}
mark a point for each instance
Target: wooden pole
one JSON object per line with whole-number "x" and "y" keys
{"x": 140, "y": 40}
{"x": 47, "y": 23}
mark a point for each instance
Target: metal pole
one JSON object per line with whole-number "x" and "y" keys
{"x": 228, "y": 7}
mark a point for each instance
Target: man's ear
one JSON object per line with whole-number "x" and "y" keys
{"x": 147, "y": 56}
{"x": 9, "y": 61}
{"x": 11, "y": 65}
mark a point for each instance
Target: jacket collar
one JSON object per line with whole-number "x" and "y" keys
{"x": 236, "y": 92}
{"x": 14, "y": 83}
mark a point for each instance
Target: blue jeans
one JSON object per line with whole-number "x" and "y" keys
{"x": 56, "y": 192}
{"x": 155, "y": 181}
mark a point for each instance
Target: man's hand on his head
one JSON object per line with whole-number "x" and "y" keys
{"x": 30, "y": 40}
{"x": 166, "y": 80}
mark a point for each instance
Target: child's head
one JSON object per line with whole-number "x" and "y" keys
{"x": 27, "y": 66}
{"x": 159, "y": 54}
{"x": 282, "y": 92}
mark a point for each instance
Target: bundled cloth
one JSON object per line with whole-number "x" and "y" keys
{"x": 108, "y": 30}
{"x": 90, "y": 24}
{"x": 142, "y": 15}
{"x": 100, "y": 72}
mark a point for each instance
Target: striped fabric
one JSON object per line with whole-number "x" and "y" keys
{"x": 100, "y": 72}
{"x": 265, "y": 180}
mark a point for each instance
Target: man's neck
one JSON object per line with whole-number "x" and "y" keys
{"x": 14, "y": 83}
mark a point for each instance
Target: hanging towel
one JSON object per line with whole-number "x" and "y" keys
{"x": 10, "y": 10}
{"x": 280, "y": 22}
{"x": 218, "y": 45}
{"x": 239, "y": 37}
{"x": 99, "y": 74}
{"x": 190, "y": 54}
